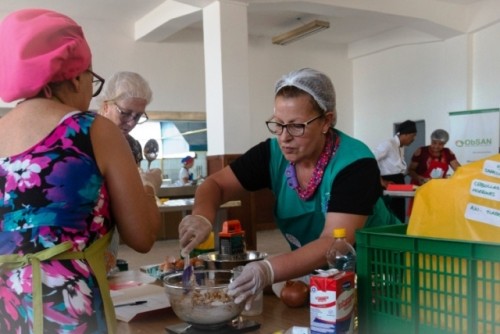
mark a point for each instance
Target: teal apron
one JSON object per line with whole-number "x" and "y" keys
{"x": 303, "y": 221}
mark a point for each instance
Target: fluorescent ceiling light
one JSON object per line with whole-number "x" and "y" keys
{"x": 301, "y": 32}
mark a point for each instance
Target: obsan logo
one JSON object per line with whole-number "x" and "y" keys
{"x": 478, "y": 142}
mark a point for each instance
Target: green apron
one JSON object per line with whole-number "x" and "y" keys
{"x": 94, "y": 255}
{"x": 303, "y": 221}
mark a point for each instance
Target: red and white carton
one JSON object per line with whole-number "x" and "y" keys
{"x": 332, "y": 302}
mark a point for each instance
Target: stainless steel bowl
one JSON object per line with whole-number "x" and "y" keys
{"x": 206, "y": 304}
{"x": 214, "y": 260}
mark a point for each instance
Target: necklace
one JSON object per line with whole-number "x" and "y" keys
{"x": 329, "y": 150}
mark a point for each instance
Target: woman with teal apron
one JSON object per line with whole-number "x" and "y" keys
{"x": 321, "y": 178}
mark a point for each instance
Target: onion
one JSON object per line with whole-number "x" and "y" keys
{"x": 295, "y": 293}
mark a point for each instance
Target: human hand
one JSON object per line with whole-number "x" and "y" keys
{"x": 422, "y": 180}
{"x": 385, "y": 183}
{"x": 193, "y": 230}
{"x": 253, "y": 279}
{"x": 152, "y": 177}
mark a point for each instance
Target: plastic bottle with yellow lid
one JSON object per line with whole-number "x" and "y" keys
{"x": 341, "y": 254}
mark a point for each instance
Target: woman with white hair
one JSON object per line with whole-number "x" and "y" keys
{"x": 432, "y": 161}
{"x": 123, "y": 101}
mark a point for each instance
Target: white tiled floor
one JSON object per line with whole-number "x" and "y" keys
{"x": 270, "y": 241}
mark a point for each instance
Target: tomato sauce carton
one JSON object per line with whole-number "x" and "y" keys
{"x": 332, "y": 302}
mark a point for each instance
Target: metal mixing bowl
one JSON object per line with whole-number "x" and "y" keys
{"x": 206, "y": 303}
{"x": 214, "y": 260}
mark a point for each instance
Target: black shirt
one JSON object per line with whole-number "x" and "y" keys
{"x": 354, "y": 190}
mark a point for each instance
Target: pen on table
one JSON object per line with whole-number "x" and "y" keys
{"x": 139, "y": 302}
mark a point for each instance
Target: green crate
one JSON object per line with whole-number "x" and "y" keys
{"x": 410, "y": 284}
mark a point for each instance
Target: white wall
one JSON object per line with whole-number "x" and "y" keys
{"x": 419, "y": 82}
{"x": 175, "y": 69}
{"x": 269, "y": 62}
{"x": 486, "y": 68}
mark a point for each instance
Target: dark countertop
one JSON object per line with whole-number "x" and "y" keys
{"x": 176, "y": 192}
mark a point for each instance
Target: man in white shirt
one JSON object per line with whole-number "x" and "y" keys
{"x": 390, "y": 158}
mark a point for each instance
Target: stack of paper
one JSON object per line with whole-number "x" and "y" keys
{"x": 140, "y": 298}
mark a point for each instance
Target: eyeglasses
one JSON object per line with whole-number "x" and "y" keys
{"x": 127, "y": 116}
{"x": 294, "y": 129}
{"x": 97, "y": 82}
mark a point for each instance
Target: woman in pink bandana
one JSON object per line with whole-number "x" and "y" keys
{"x": 61, "y": 170}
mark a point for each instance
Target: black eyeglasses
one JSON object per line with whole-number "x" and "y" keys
{"x": 127, "y": 116}
{"x": 294, "y": 129}
{"x": 97, "y": 82}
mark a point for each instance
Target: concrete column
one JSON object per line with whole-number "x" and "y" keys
{"x": 225, "y": 32}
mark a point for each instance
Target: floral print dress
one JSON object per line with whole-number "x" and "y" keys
{"x": 50, "y": 194}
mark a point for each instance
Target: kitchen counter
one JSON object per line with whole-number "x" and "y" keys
{"x": 276, "y": 315}
{"x": 399, "y": 193}
{"x": 186, "y": 204}
{"x": 176, "y": 192}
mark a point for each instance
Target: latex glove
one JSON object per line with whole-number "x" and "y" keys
{"x": 152, "y": 178}
{"x": 253, "y": 279}
{"x": 193, "y": 230}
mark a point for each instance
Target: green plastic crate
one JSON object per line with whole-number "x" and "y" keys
{"x": 410, "y": 284}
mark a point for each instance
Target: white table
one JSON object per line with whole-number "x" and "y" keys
{"x": 186, "y": 204}
{"x": 398, "y": 193}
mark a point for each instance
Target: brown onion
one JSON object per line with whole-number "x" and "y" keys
{"x": 295, "y": 293}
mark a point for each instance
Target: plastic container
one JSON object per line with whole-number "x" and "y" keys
{"x": 410, "y": 284}
{"x": 232, "y": 238}
{"x": 341, "y": 254}
{"x": 206, "y": 246}
{"x": 257, "y": 304}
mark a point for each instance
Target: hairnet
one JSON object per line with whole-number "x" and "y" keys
{"x": 315, "y": 83}
{"x": 39, "y": 46}
{"x": 123, "y": 85}
{"x": 440, "y": 135}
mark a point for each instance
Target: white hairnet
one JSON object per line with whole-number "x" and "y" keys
{"x": 123, "y": 85}
{"x": 441, "y": 135}
{"x": 313, "y": 82}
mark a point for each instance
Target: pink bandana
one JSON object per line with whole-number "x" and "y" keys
{"x": 39, "y": 46}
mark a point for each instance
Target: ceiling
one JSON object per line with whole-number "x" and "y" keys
{"x": 350, "y": 20}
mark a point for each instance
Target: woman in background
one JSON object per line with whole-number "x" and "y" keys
{"x": 62, "y": 189}
{"x": 185, "y": 177}
{"x": 123, "y": 101}
{"x": 432, "y": 161}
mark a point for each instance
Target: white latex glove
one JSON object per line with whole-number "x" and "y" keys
{"x": 193, "y": 230}
{"x": 253, "y": 279}
{"x": 152, "y": 178}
